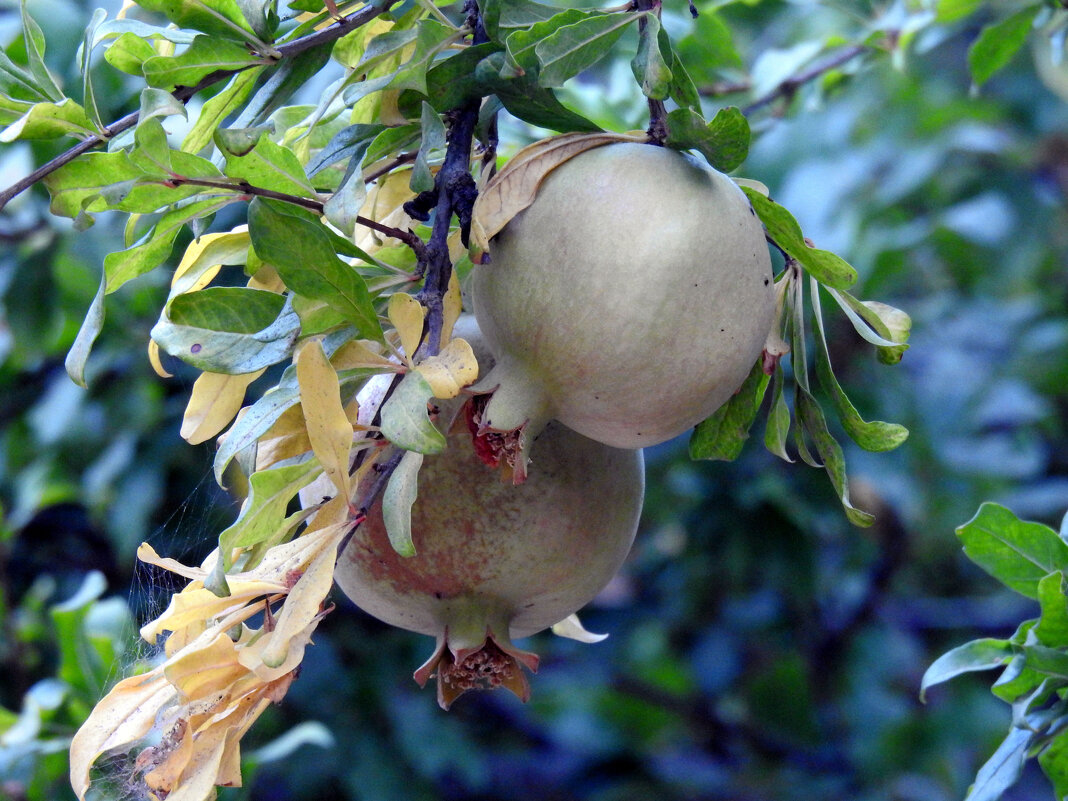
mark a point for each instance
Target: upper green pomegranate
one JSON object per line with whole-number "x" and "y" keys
{"x": 629, "y": 301}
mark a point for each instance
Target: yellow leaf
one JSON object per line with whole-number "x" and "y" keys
{"x": 196, "y": 603}
{"x": 357, "y": 354}
{"x": 301, "y": 607}
{"x": 267, "y": 278}
{"x": 197, "y": 781}
{"x": 452, "y": 308}
{"x": 288, "y": 437}
{"x": 385, "y": 204}
{"x": 123, "y": 716}
{"x": 171, "y": 764}
{"x": 407, "y": 315}
{"x": 329, "y": 429}
{"x": 205, "y": 671}
{"x": 154, "y": 360}
{"x": 515, "y": 186}
{"x": 451, "y": 370}
{"x": 203, "y": 251}
{"x": 214, "y": 401}
{"x": 147, "y": 554}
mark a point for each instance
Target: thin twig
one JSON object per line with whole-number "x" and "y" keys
{"x": 789, "y": 87}
{"x": 184, "y": 93}
{"x": 385, "y": 169}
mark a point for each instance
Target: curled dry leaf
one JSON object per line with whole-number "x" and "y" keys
{"x": 212, "y": 685}
{"x": 515, "y": 186}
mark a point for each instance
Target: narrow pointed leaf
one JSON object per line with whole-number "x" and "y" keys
{"x": 397, "y": 500}
{"x": 827, "y": 268}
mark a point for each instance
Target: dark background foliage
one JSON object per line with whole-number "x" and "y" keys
{"x": 761, "y": 647}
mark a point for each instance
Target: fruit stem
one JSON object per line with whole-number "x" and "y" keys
{"x": 658, "y": 129}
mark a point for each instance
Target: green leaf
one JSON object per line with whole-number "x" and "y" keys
{"x": 84, "y": 57}
{"x": 129, "y": 52}
{"x": 723, "y": 435}
{"x": 50, "y": 120}
{"x": 503, "y": 16}
{"x": 431, "y": 39}
{"x": 228, "y": 352}
{"x": 303, "y": 253}
{"x": 286, "y": 78}
{"x": 524, "y": 99}
{"x": 810, "y": 418}
{"x": 574, "y": 48}
{"x": 219, "y": 17}
{"x": 998, "y": 43}
{"x": 651, "y": 70}
{"x": 205, "y": 56}
{"x": 1052, "y": 627}
{"x": 1017, "y": 553}
{"x": 976, "y": 655}
{"x": 157, "y": 103}
{"x": 405, "y": 421}
{"x": 1002, "y": 770}
{"x": 778, "y": 427}
{"x": 453, "y": 81}
{"x": 218, "y": 108}
{"x": 521, "y": 44}
{"x": 16, "y": 80}
{"x": 79, "y": 664}
{"x": 264, "y": 511}
{"x": 349, "y": 143}
{"x": 90, "y": 328}
{"x": 1048, "y": 661}
{"x": 682, "y": 88}
{"x": 397, "y": 500}
{"x": 35, "y": 50}
{"x": 432, "y": 142}
{"x": 875, "y": 436}
{"x": 724, "y": 141}
{"x": 151, "y": 145}
{"x": 154, "y": 248}
{"x": 79, "y": 185}
{"x": 953, "y": 10}
{"x": 827, "y": 268}
{"x": 1054, "y": 762}
{"x": 268, "y": 166}
{"x": 238, "y": 310}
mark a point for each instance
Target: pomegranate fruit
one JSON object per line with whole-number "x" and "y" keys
{"x": 629, "y": 301}
{"x": 495, "y": 561}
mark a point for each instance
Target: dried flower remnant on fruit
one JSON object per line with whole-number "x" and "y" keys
{"x": 496, "y": 448}
{"x": 487, "y": 667}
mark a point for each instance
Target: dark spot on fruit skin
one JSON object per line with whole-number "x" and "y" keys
{"x": 438, "y": 595}
{"x": 722, "y": 330}
{"x": 766, "y": 282}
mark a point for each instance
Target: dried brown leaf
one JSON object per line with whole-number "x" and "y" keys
{"x": 516, "y": 185}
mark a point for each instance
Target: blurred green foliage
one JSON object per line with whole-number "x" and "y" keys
{"x": 761, "y": 647}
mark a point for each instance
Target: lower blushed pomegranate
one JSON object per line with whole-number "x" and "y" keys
{"x": 496, "y": 561}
